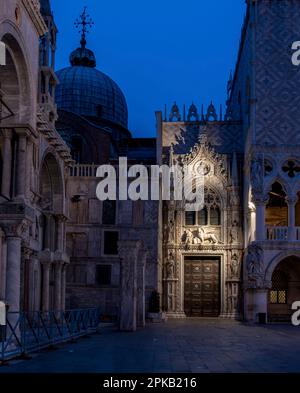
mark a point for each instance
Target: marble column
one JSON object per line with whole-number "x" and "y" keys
{"x": 128, "y": 252}
{"x": 57, "y": 287}
{"x": 32, "y": 301}
{"x": 63, "y": 287}
{"x": 21, "y": 164}
{"x": 46, "y": 286}
{"x": 292, "y": 220}
{"x": 260, "y": 221}
{"x": 13, "y": 273}
{"x": 60, "y": 232}
{"x": 47, "y": 232}
{"x": 7, "y": 161}
{"x": 141, "y": 307}
{"x": 29, "y": 168}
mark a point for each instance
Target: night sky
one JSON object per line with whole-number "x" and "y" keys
{"x": 158, "y": 51}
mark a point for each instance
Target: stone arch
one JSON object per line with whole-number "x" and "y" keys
{"x": 16, "y": 80}
{"x": 283, "y": 276}
{"x": 276, "y": 261}
{"x": 51, "y": 185}
{"x": 278, "y": 179}
{"x": 276, "y": 208}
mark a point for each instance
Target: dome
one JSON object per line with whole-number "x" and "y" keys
{"x": 89, "y": 92}
{"x": 84, "y": 90}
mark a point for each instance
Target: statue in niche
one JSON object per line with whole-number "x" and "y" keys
{"x": 234, "y": 267}
{"x": 170, "y": 266}
{"x": 234, "y": 232}
{"x": 257, "y": 174}
{"x": 169, "y": 231}
{"x": 254, "y": 262}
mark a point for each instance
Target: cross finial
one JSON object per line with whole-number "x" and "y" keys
{"x": 84, "y": 24}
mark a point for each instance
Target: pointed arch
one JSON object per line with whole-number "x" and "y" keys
{"x": 16, "y": 80}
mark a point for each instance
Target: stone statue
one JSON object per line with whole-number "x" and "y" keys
{"x": 199, "y": 237}
{"x": 188, "y": 237}
{"x": 257, "y": 174}
{"x": 205, "y": 236}
{"x": 254, "y": 262}
{"x": 170, "y": 266}
{"x": 234, "y": 232}
{"x": 234, "y": 266}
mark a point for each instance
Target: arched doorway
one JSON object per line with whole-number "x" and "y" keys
{"x": 16, "y": 99}
{"x": 285, "y": 289}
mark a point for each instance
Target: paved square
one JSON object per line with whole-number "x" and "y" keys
{"x": 196, "y": 346}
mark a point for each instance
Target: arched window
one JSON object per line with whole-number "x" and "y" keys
{"x": 209, "y": 215}
{"x": 203, "y": 217}
{"x": 215, "y": 216}
{"x": 278, "y": 293}
{"x": 277, "y": 208}
{"x": 190, "y": 218}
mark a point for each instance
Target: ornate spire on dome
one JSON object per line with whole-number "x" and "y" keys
{"x": 83, "y": 56}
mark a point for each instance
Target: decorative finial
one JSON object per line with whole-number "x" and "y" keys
{"x": 84, "y": 24}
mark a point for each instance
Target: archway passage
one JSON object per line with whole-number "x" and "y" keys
{"x": 285, "y": 289}
{"x": 277, "y": 208}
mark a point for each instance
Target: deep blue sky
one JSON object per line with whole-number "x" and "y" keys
{"x": 158, "y": 51}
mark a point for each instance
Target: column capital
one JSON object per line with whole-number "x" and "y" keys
{"x": 292, "y": 201}
{"x": 15, "y": 229}
{"x": 27, "y": 253}
{"x": 260, "y": 200}
{"x": 23, "y": 132}
{"x": 60, "y": 257}
{"x": 46, "y": 257}
{"x": 61, "y": 217}
{"x": 6, "y": 133}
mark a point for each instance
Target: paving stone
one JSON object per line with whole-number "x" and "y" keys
{"x": 196, "y": 346}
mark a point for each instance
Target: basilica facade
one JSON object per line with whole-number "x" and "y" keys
{"x": 60, "y": 247}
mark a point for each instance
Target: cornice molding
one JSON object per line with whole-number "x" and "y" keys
{"x": 33, "y": 9}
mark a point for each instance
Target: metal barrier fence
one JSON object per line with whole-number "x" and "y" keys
{"x": 28, "y": 332}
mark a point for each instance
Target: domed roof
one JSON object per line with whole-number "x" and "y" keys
{"x": 88, "y": 92}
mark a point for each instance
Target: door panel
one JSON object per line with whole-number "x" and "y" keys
{"x": 202, "y": 287}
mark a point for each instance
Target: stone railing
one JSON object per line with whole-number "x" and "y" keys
{"x": 277, "y": 233}
{"x": 83, "y": 170}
